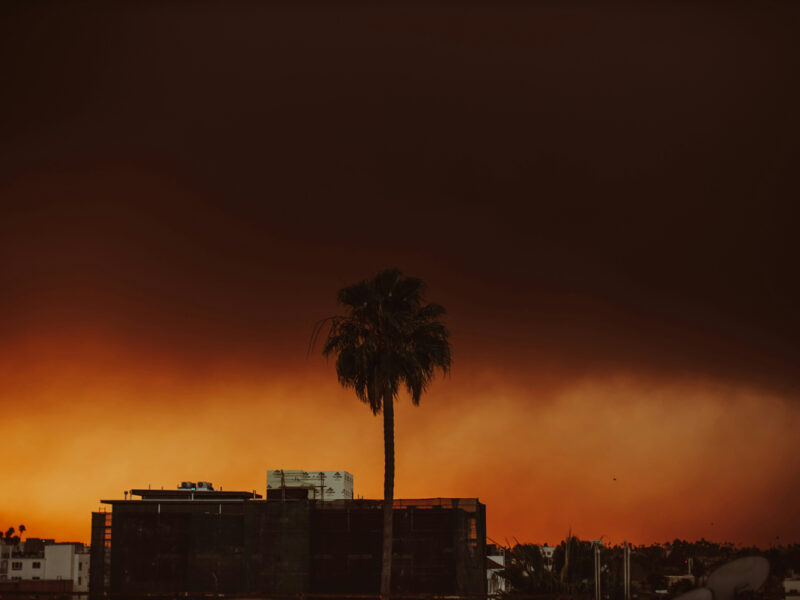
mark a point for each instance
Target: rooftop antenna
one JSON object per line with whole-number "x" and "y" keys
{"x": 626, "y": 568}
{"x": 597, "y": 568}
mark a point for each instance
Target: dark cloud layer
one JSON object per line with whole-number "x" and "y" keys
{"x": 584, "y": 186}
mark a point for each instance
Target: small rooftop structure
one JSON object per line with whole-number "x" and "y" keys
{"x": 286, "y": 484}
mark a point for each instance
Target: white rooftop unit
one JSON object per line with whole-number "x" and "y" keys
{"x": 320, "y": 485}
{"x": 200, "y": 486}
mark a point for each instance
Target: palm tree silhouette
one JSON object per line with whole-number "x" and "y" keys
{"x": 388, "y": 337}
{"x": 10, "y": 538}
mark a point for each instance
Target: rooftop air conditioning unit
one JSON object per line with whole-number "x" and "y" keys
{"x": 186, "y": 485}
{"x": 205, "y": 485}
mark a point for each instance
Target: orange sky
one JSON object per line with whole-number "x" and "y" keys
{"x": 603, "y": 197}
{"x": 86, "y": 421}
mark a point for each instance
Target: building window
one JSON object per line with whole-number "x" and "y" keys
{"x": 80, "y": 566}
{"x": 16, "y": 565}
{"x": 37, "y": 565}
{"x": 79, "y": 580}
{"x": 35, "y": 578}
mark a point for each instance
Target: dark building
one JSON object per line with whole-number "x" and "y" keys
{"x": 229, "y": 542}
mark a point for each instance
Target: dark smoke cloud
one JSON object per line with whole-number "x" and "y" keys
{"x": 583, "y": 186}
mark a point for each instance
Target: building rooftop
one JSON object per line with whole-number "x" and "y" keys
{"x": 187, "y": 490}
{"x": 215, "y": 495}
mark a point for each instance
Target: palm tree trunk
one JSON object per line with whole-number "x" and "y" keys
{"x": 388, "y": 494}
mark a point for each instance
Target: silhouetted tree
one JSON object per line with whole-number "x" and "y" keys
{"x": 388, "y": 337}
{"x": 525, "y": 571}
{"x": 10, "y": 538}
{"x": 573, "y": 560}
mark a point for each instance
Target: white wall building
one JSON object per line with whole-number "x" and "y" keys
{"x": 80, "y": 571}
{"x": 58, "y": 561}
{"x": 547, "y": 555}
{"x": 25, "y": 567}
{"x": 320, "y": 485}
{"x": 495, "y": 565}
{"x": 791, "y": 586}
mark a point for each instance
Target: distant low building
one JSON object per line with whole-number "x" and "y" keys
{"x": 791, "y": 586}
{"x": 38, "y": 560}
{"x": 25, "y": 567}
{"x": 496, "y": 583}
{"x": 547, "y": 555}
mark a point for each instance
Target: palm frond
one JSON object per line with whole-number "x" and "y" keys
{"x": 315, "y": 333}
{"x": 387, "y": 338}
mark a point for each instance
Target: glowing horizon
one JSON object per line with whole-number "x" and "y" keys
{"x": 599, "y": 456}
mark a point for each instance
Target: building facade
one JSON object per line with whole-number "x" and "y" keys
{"x": 231, "y": 542}
{"x": 45, "y": 561}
